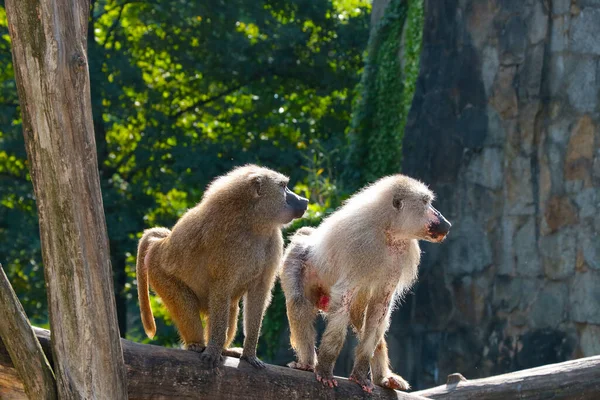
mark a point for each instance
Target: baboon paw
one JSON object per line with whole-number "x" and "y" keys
{"x": 365, "y": 383}
{"x": 300, "y": 366}
{"x": 394, "y": 381}
{"x": 210, "y": 361}
{"x": 254, "y": 361}
{"x": 233, "y": 352}
{"x": 326, "y": 379}
{"x": 197, "y": 347}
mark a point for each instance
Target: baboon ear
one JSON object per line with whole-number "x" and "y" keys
{"x": 397, "y": 202}
{"x": 256, "y": 182}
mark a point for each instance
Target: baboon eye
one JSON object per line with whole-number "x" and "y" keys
{"x": 283, "y": 184}
{"x": 397, "y": 203}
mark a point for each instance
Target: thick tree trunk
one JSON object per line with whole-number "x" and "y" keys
{"x": 22, "y": 345}
{"x": 49, "y": 56}
{"x": 161, "y": 373}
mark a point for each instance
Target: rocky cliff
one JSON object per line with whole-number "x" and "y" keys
{"x": 504, "y": 127}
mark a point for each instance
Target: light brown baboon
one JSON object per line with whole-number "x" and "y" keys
{"x": 227, "y": 247}
{"x": 352, "y": 268}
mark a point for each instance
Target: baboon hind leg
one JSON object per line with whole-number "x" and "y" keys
{"x": 183, "y": 306}
{"x": 234, "y": 312}
{"x": 301, "y": 316}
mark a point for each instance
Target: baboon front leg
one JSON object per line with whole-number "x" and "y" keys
{"x": 183, "y": 307}
{"x": 380, "y": 369}
{"x": 218, "y": 317}
{"x": 256, "y": 301}
{"x": 375, "y": 325}
{"x": 331, "y": 345}
{"x": 301, "y": 316}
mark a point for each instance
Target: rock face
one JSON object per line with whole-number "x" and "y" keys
{"x": 505, "y": 127}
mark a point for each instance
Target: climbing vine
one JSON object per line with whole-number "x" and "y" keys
{"x": 385, "y": 93}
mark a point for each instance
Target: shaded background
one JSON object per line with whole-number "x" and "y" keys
{"x": 503, "y": 125}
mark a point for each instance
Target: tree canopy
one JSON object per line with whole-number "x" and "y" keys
{"x": 182, "y": 91}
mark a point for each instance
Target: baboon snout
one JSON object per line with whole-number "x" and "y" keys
{"x": 298, "y": 204}
{"x": 439, "y": 226}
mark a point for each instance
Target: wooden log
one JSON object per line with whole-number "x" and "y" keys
{"x": 576, "y": 379}
{"x": 163, "y": 373}
{"x": 22, "y": 345}
{"x": 49, "y": 47}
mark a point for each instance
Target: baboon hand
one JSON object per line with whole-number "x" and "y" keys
{"x": 364, "y": 382}
{"x": 393, "y": 381}
{"x": 326, "y": 378}
{"x": 254, "y": 361}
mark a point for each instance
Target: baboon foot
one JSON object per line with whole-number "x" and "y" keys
{"x": 210, "y": 360}
{"x": 326, "y": 378}
{"x": 300, "y": 366}
{"x": 254, "y": 361}
{"x": 233, "y": 352}
{"x": 393, "y": 381}
{"x": 197, "y": 347}
{"x": 364, "y": 382}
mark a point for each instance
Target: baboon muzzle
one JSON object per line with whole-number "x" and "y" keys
{"x": 298, "y": 204}
{"x": 439, "y": 226}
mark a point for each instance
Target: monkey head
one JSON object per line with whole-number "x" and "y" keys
{"x": 273, "y": 200}
{"x": 414, "y": 216}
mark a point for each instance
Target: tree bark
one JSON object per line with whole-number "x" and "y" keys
{"x": 162, "y": 373}
{"x": 49, "y": 55}
{"x": 23, "y": 347}
{"x": 577, "y": 379}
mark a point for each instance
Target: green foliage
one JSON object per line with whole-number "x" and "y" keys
{"x": 385, "y": 94}
{"x": 182, "y": 92}
{"x": 413, "y": 39}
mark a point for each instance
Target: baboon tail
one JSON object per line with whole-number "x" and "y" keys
{"x": 150, "y": 237}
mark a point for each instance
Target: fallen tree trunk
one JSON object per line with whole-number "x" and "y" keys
{"x": 577, "y": 379}
{"x": 159, "y": 373}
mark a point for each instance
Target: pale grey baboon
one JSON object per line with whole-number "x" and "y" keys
{"x": 352, "y": 268}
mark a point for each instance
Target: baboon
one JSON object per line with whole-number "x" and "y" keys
{"x": 353, "y": 268}
{"x": 228, "y": 247}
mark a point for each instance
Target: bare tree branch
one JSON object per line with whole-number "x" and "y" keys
{"x": 576, "y": 379}
{"x": 25, "y": 351}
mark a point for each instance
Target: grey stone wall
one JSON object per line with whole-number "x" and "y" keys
{"x": 505, "y": 128}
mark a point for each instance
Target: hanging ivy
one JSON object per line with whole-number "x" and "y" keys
{"x": 385, "y": 93}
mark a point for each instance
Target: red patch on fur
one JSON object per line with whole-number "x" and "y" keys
{"x": 323, "y": 302}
